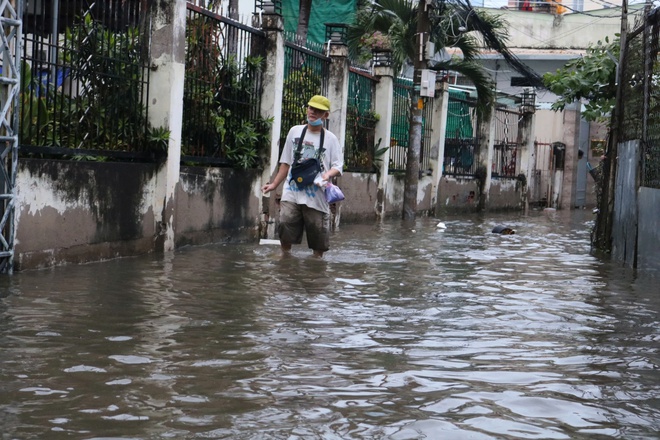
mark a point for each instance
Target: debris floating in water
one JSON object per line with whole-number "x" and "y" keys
{"x": 441, "y": 225}
{"x": 269, "y": 241}
{"x": 504, "y": 230}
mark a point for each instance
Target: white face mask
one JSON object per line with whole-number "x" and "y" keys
{"x": 315, "y": 122}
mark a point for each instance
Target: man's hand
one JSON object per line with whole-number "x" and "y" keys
{"x": 268, "y": 187}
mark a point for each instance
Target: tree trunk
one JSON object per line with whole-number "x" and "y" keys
{"x": 232, "y": 32}
{"x": 412, "y": 164}
{"x": 233, "y": 9}
{"x": 303, "y": 21}
{"x": 415, "y": 144}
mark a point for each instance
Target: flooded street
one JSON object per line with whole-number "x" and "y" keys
{"x": 398, "y": 333}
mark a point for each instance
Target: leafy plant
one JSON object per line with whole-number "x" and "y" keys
{"x": 36, "y": 116}
{"x": 300, "y": 85}
{"x": 158, "y": 141}
{"x": 379, "y": 152}
{"x": 220, "y": 98}
{"x": 103, "y": 110}
{"x": 245, "y": 150}
{"x": 590, "y": 78}
{"x": 360, "y": 128}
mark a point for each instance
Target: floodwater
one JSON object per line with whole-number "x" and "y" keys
{"x": 400, "y": 332}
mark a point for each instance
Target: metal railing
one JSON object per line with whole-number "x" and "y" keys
{"x": 506, "y": 157}
{"x": 400, "y": 132}
{"x": 361, "y": 120}
{"x": 222, "y": 90}
{"x": 461, "y": 141}
{"x": 427, "y": 133}
{"x": 650, "y": 177}
{"x": 85, "y": 79}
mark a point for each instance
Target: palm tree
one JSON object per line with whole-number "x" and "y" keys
{"x": 454, "y": 24}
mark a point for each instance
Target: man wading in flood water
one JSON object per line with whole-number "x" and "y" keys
{"x": 304, "y": 206}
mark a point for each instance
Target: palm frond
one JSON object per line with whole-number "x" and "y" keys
{"x": 494, "y": 35}
{"x": 482, "y": 83}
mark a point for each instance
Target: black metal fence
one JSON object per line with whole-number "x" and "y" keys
{"x": 222, "y": 92}
{"x": 85, "y": 74}
{"x": 427, "y": 133}
{"x": 400, "y": 128}
{"x": 306, "y": 74}
{"x": 461, "y": 139}
{"x": 507, "y": 144}
{"x": 400, "y": 131}
{"x": 360, "y": 144}
{"x": 642, "y": 98}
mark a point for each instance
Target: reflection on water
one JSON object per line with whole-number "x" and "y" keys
{"x": 401, "y": 332}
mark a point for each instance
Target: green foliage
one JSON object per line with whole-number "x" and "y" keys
{"x": 158, "y": 138}
{"x": 106, "y": 112}
{"x": 245, "y": 149}
{"x": 397, "y": 20}
{"x": 378, "y": 156}
{"x": 220, "y": 95}
{"x": 109, "y": 66}
{"x": 360, "y": 150}
{"x": 300, "y": 85}
{"x": 36, "y": 116}
{"x": 590, "y": 78}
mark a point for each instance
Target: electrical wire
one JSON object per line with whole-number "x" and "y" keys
{"x": 575, "y": 11}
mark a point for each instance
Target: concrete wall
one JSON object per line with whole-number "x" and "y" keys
{"x": 361, "y": 191}
{"x": 624, "y": 225}
{"x": 648, "y": 238}
{"x": 462, "y": 195}
{"x": 569, "y": 31}
{"x": 564, "y": 127}
{"x": 457, "y": 195}
{"x": 75, "y": 212}
{"x": 636, "y": 219}
{"x": 216, "y": 205}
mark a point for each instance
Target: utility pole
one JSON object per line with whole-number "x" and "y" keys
{"x": 423, "y": 86}
{"x": 603, "y": 239}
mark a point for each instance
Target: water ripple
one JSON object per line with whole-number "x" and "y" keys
{"x": 395, "y": 334}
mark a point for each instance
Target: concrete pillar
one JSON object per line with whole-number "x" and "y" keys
{"x": 485, "y": 157}
{"x": 527, "y": 136}
{"x": 384, "y": 107}
{"x": 440, "y": 109}
{"x": 571, "y": 138}
{"x": 338, "y": 96}
{"x": 338, "y": 91}
{"x": 271, "y": 107}
{"x": 527, "y": 156}
{"x": 168, "y": 38}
